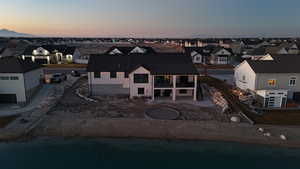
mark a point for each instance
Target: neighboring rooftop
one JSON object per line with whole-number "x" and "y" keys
{"x": 16, "y": 65}
{"x": 280, "y": 64}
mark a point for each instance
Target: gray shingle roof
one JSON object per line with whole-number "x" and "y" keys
{"x": 16, "y": 65}
{"x": 157, "y": 64}
{"x": 280, "y": 64}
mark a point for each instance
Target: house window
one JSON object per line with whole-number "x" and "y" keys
{"x": 292, "y": 81}
{"x": 244, "y": 78}
{"x": 141, "y": 91}
{"x": 4, "y": 78}
{"x": 97, "y": 74}
{"x": 126, "y": 74}
{"x": 272, "y": 82}
{"x": 14, "y": 78}
{"x": 183, "y": 91}
{"x": 141, "y": 78}
{"x": 113, "y": 75}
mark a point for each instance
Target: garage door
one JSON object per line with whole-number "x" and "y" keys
{"x": 41, "y": 61}
{"x": 8, "y": 98}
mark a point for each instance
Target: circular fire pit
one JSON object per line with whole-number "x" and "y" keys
{"x": 162, "y": 113}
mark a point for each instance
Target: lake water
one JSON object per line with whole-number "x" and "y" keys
{"x": 142, "y": 154}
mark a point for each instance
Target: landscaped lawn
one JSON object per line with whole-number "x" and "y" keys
{"x": 6, "y": 120}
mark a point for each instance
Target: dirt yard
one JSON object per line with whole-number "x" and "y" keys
{"x": 73, "y": 107}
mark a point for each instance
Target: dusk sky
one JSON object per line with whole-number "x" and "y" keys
{"x": 151, "y": 18}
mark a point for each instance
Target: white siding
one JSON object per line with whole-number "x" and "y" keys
{"x": 105, "y": 79}
{"x": 33, "y": 78}
{"x": 244, "y": 71}
{"x": 13, "y": 86}
{"x": 134, "y": 86}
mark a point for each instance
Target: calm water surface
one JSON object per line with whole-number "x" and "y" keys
{"x": 142, "y": 154}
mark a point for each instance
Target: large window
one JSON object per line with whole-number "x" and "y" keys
{"x": 14, "y": 78}
{"x": 141, "y": 91}
{"x": 292, "y": 81}
{"x": 141, "y": 78}
{"x": 97, "y": 74}
{"x": 4, "y": 77}
{"x": 272, "y": 82}
{"x": 113, "y": 75}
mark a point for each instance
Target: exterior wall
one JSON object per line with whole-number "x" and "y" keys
{"x": 105, "y": 79}
{"x": 13, "y": 86}
{"x": 282, "y": 82}
{"x": 241, "y": 70}
{"x": 33, "y": 81}
{"x": 134, "y": 86}
{"x": 76, "y": 55}
{"x": 196, "y": 57}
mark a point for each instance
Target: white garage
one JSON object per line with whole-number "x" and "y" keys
{"x": 19, "y": 80}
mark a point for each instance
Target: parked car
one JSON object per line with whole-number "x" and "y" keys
{"x": 75, "y": 73}
{"x": 58, "y": 77}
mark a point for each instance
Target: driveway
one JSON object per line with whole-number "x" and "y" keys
{"x": 13, "y": 109}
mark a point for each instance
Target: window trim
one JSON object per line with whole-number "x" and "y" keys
{"x": 274, "y": 83}
{"x": 293, "y": 78}
{"x": 136, "y": 82}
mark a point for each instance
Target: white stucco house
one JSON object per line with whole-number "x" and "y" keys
{"x": 153, "y": 75}
{"x": 19, "y": 80}
{"x": 51, "y": 54}
{"x": 274, "y": 81}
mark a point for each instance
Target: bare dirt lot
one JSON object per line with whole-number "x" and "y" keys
{"x": 73, "y": 107}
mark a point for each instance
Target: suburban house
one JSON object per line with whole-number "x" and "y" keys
{"x": 19, "y": 80}
{"x": 126, "y": 50}
{"x": 163, "y": 75}
{"x": 221, "y": 56}
{"x": 51, "y": 54}
{"x": 199, "y": 55}
{"x": 209, "y": 55}
{"x": 274, "y": 81}
{"x": 263, "y": 52}
{"x": 290, "y": 48}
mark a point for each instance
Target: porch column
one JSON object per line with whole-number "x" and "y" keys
{"x": 174, "y": 88}
{"x": 153, "y": 97}
{"x": 195, "y": 87}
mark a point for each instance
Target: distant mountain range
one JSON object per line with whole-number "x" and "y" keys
{"x": 10, "y": 33}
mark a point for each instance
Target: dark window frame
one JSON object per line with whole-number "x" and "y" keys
{"x": 97, "y": 75}
{"x": 141, "y": 91}
{"x": 113, "y": 75}
{"x": 138, "y": 78}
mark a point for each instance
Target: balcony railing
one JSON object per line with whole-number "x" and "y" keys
{"x": 163, "y": 85}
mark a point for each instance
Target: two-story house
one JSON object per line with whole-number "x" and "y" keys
{"x": 139, "y": 75}
{"x": 51, "y": 54}
{"x": 209, "y": 55}
{"x": 274, "y": 81}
